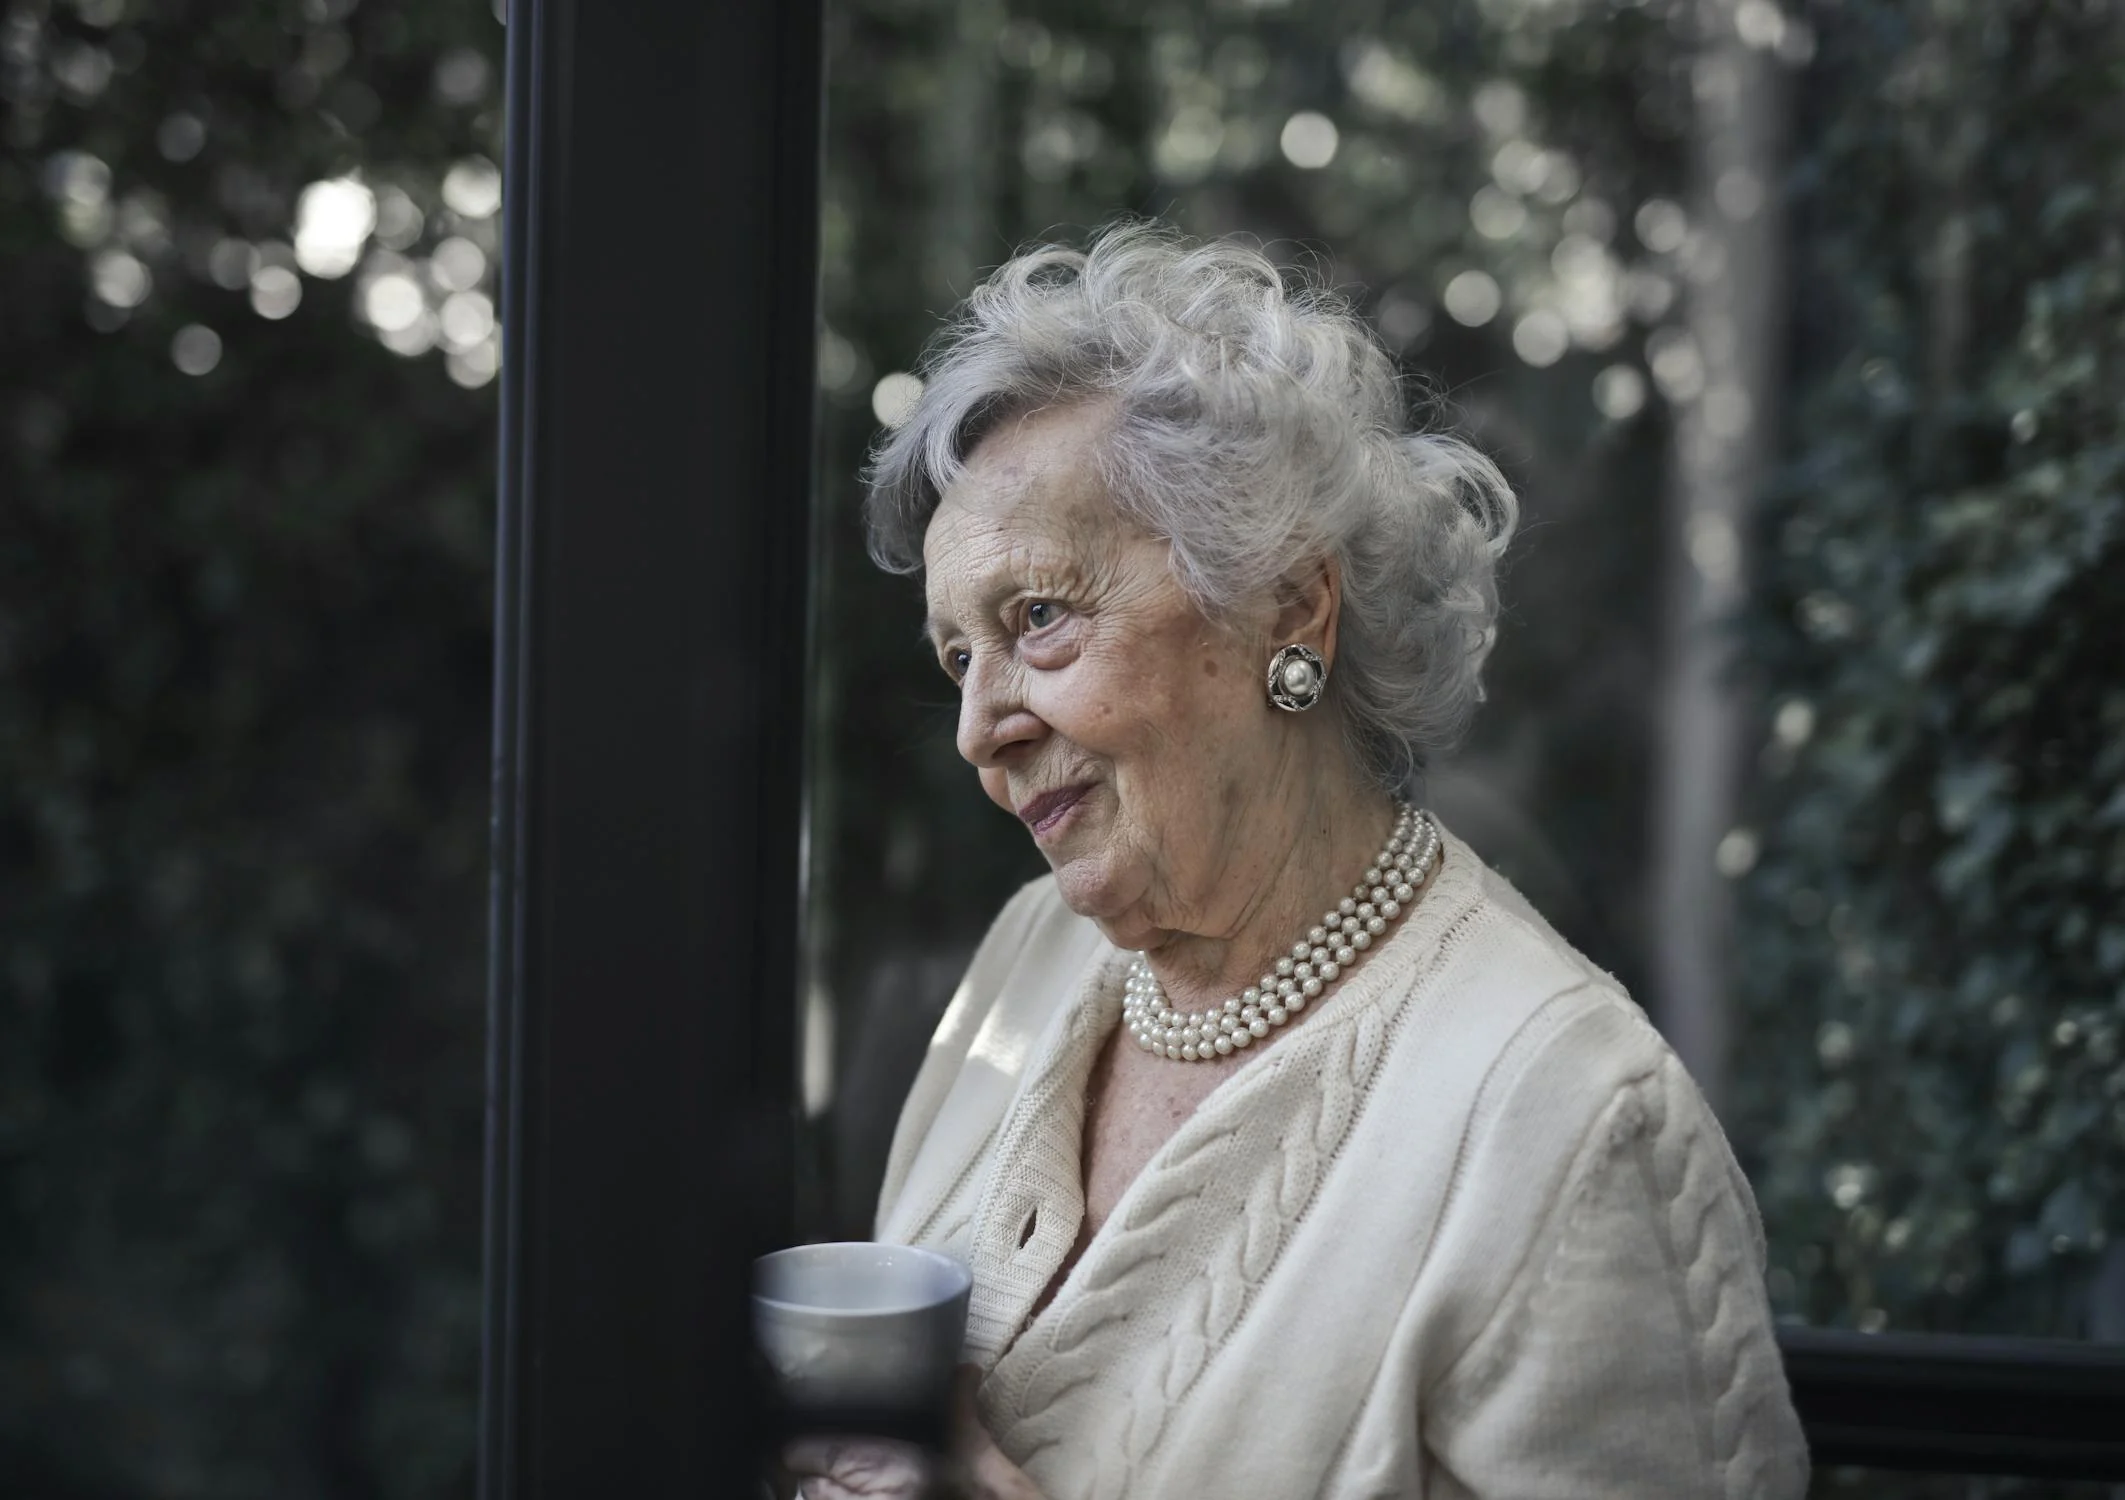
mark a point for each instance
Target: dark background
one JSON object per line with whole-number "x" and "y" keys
{"x": 245, "y": 624}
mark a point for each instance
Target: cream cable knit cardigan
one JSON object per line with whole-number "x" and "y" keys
{"x": 1469, "y": 1230}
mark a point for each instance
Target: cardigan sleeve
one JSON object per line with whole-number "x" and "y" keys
{"x": 1632, "y": 1352}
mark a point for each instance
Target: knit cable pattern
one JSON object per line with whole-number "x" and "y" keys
{"x": 1659, "y": 1129}
{"x": 1164, "y": 1294}
{"x": 1718, "y": 1247}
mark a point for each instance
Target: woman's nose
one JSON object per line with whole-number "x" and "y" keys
{"x": 993, "y": 719}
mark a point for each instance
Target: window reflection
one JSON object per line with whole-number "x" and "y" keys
{"x": 1797, "y": 328}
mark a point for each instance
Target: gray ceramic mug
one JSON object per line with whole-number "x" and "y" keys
{"x": 857, "y": 1326}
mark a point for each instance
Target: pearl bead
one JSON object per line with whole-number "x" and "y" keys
{"x": 1298, "y": 677}
{"x": 1317, "y": 961}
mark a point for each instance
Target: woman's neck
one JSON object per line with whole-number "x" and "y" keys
{"x": 1300, "y": 868}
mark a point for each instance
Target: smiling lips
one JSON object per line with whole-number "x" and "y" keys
{"x": 1043, "y": 812}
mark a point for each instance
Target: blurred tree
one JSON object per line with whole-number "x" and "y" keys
{"x": 244, "y": 614}
{"x": 244, "y": 549}
{"x": 1934, "y": 932}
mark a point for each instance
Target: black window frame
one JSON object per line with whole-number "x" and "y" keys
{"x": 657, "y": 437}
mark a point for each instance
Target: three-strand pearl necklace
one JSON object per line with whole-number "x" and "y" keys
{"x": 1314, "y": 963}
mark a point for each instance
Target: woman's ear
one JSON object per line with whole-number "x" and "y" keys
{"x": 1309, "y": 604}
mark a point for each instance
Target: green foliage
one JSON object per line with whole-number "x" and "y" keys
{"x": 243, "y": 719}
{"x": 244, "y": 629}
{"x": 1933, "y": 944}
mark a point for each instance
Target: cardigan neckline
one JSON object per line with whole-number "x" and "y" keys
{"x": 1043, "y": 1128}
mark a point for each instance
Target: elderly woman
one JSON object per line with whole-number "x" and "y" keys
{"x": 1291, "y": 1152}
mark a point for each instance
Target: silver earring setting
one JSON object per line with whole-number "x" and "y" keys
{"x": 1296, "y": 676}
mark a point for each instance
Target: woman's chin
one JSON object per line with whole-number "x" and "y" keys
{"x": 1093, "y": 890}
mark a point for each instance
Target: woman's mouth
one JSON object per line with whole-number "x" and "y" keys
{"x": 1045, "y": 813}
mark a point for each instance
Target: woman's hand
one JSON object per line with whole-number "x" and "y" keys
{"x": 876, "y": 1469}
{"x": 983, "y": 1473}
{"x": 858, "y": 1469}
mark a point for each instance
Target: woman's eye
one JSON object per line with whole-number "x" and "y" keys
{"x": 956, "y": 664}
{"x": 1042, "y": 613}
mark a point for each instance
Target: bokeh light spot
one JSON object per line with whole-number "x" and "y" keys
{"x": 461, "y": 77}
{"x": 476, "y": 366}
{"x": 473, "y": 187}
{"x": 893, "y": 398}
{"x": 1496, "y": 214}
{"x": 196, "y": 349}
{"x": 1619, "y": 392}
{"x": 393, "y": 302}
{"x": 398, "y": 219}
{"x": 1472, "y": 299}
{"x": 332, "y": 223}
{"x": 457, "y": 264}
{"x": 230, "y": 264}
{"x": 1309, "y": 140}
{"x": 276, "y": 291}
{"x": 1541, "y": 338}
{"x": 181, "y": 136}
{"x": 1662, "y": 226}
{"x": 119, "y": 279}
{"x": 467, "y": 318}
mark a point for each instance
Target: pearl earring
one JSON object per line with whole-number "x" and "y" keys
{"x": 1296, "y": 676}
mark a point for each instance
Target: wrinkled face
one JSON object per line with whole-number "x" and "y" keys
{"x": 1129, "y": 734}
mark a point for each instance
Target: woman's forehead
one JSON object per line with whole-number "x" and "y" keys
{"x": 1029, "y": 490}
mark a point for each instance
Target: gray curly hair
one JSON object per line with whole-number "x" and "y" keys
{"x": 1257, "y": 426}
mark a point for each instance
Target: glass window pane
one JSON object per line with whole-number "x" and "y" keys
{"x": 1798, "y": 330}
{"x": 246, "y": 452}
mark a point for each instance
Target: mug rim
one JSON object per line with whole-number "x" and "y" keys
{"x": 963, "y": 1276}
